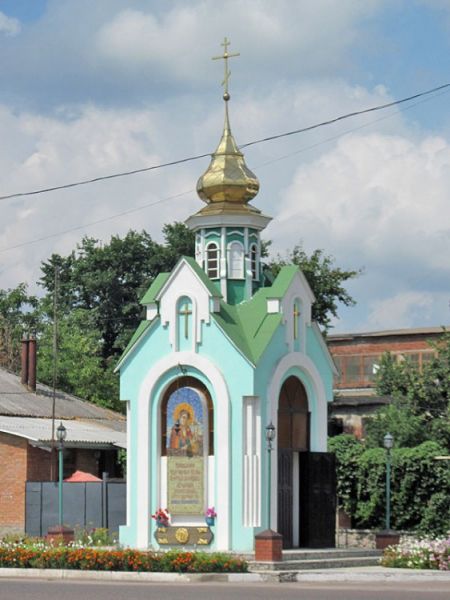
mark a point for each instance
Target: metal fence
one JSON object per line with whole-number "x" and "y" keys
{"x": 86, "y": 505}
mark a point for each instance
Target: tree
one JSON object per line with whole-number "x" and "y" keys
{"x": 325, "y": 279}
{"x": 80, "y": 368}
{"x": 109, "y": 279}
{"x": 420, "y": 485}
{"x": 17, "y": 316}
{"x": 420, "y": 406}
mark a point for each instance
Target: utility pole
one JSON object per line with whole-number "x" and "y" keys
{"x": 55, "y": 370}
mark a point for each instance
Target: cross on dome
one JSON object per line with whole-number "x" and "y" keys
{"x": 225, "y": 56}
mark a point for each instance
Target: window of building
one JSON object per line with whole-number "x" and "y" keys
{"x": 254, "y": 261}
{"x": 235, "y": 260}
{"x": 212, "y": 260}
{"x": 371, "y": 364}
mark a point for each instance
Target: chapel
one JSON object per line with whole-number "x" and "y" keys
{"x": 225, "y": 358}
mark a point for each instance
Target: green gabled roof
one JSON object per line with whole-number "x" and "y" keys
{"x": 161, "y": 279}
{"x": 248, "y": 325}
{"x": 210, "y": 286}
{"x": 141, "y": 329}
{"x": 282, "y": 282}
{"x": 150, "y": 295}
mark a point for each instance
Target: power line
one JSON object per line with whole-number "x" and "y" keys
{"x": 198, "y": 156}
{"x": 121, "y": 214}
{"x": 150, "y": 204}
{"x": 347, "y": 116}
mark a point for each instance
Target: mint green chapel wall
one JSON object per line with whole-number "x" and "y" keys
{"x": 132, "y": 374}
{"x": 317, "y": 353}
{"x": 238, "y": 374}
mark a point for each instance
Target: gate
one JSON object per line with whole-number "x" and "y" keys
{"x": 86, "y": 505}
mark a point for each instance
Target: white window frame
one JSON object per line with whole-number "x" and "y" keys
{"x": 212, "y": 272}
{"x": 253, "y": 251}
{"x": 235, "y": 264}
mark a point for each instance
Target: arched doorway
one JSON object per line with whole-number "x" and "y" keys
{"x": 293, "y": 439}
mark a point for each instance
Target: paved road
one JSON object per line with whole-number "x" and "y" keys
{"x": 74, "y": 590}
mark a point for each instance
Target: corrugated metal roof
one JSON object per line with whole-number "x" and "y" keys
{"x": 16, "y": 400}
{"x": 78, "y": 431}
{"x": 387, "y": 332}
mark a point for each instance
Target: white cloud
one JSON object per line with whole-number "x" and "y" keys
{"x": 177, "y": 42}
{"x": 380, "y": 202}
{"x": 401, "y": 310}
{"x": 9, "y": 26}
{"x": 385, "y": 195}
{"x": 49, "y": 151}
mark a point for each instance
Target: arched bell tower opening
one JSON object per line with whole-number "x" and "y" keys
{"x": 293, "y": 439}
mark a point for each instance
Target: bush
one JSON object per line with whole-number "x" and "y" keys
{"x": 90, "y": 559}
{"x": 419, "y": 554}
{"x": 420, "y": 486}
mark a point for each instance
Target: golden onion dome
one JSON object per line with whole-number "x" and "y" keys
{"x": 227, "y": 181}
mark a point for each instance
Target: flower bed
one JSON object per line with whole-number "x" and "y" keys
{"x": 90, "y": 559}
{"x": 419, "y": 554}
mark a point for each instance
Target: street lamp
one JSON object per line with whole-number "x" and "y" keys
{"x": 270, "y": 436}
{"x": 61, "y": 434}
{"x": 388, "y": 442}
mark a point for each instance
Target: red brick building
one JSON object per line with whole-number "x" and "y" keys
{"x": 357, "y": 356}
{"x": 94, "y": 436}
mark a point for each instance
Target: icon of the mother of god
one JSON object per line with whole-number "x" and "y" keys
{"x": 183, "y": 435}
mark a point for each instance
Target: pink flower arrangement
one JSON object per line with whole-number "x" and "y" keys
{"x": 210, "y": 513}
{"x": 162, "y": 517}
{"x": 419, "y": 554}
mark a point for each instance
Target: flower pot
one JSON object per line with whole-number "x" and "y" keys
{"x": 161, "y": 523}
{"x": 210, "y": 521}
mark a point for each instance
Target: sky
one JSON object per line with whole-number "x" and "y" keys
{"x": 93, "y": 88}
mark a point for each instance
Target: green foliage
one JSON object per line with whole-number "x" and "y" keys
{"x": 98, "y": 536}
{"x": 420, "y": 408}
{"x": 420, "y": 485}
{"x": 326, "y": 281}
{"x": 109, "y": 279}
{"x": 122, "y": 460}
{"x": 407, "y": 428}
{"x": 17, "y": 316}
{"x": 80, "y": 368}
{"x": 348, "y": 451}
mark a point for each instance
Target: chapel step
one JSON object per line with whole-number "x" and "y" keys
{"x": 320, "y": 553}
{"x": 315, "y": 563}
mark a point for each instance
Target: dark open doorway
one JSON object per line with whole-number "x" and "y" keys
{"x": 306, "y": 480}
{"x": 293, "y": 438}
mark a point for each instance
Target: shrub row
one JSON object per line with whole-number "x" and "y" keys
{"x": 420, "y": 486}
{"x": 91, "y": 559}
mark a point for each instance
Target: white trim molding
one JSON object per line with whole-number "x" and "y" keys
{"x": 146, "y": 458}
{"x": 317, "y": 406}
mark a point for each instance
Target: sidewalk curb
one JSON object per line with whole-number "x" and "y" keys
{"x": 377, "y": 574}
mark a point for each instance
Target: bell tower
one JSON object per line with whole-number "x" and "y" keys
{"x": 227, "y": 241}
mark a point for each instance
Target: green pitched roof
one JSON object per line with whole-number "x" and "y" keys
{"x": 282, "y": 282}
{"x": 153, "y": 290}
{"x": 160, "y": 280}
{"x": 210, "y": 286}
{"x": 248, "y": 325}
